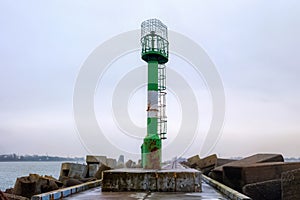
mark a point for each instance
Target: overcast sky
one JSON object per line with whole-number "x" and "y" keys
{"x": 254, "y": 45}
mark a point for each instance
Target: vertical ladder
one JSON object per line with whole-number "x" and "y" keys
{"x": 162, "y": 117}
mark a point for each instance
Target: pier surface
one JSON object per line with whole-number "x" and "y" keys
{"x": 96, "y": 193}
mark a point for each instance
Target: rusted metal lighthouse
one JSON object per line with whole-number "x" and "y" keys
{"x": 155, "y": 51}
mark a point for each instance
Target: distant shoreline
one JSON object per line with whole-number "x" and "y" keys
{"x": 37, "y": 158}
{"x": 41, "y": 160}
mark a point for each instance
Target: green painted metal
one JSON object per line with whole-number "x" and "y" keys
{"x": 155, "y": 48}
{"x": 153, "y": 75}
{"x": 155, "y": 51}
{"x": 151, "y": 152}
{"x": 151, "y": 126}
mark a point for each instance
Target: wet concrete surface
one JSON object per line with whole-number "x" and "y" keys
{"x": 208, "y": 193}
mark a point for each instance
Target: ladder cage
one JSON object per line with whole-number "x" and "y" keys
{"x": 162, "y": 77}
{"x": 162, "y": 115}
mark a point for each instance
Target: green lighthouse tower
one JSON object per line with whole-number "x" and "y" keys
{"x": 155, "y": 51}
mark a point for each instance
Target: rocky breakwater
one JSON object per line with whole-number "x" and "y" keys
{"x": 71, "y": 174}
{"x": 260, "y": 176}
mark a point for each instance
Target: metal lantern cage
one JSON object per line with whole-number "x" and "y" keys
{"x": 154, "y": 40}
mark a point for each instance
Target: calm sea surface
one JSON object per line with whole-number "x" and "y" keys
{"x": 10, "y": 171}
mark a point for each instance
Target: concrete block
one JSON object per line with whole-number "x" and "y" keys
{"x": 73, "y": 170}
{"x": 129, "y": 164}
{"x": 193, "y": 161}
{"x": 187, "y": 180}
{"x": 217, "y": 173}
{"x": 222, "y": 161}
{"x": 290, "y": 182}
{"x": 78, "y": 171}
{"x": 151, "y": 182}
{"x": 166, "y": 182}
{"x": 119, "y": 166}
{"x": 204, "y": 165}
{"x": 64, "y": 170}
{"x": 101, "y": 169}
{"x": 266, "y": 190}
{"x": 208, "y": 163}
{"x": 237, "y": 177}
{"x": 92, "y": 169}
{"x": 92, "y": 159}
{"x": 28, "y": 186}
{"x": 112, "y": 163}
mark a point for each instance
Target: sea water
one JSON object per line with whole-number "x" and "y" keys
{"x": 10, "y": 171}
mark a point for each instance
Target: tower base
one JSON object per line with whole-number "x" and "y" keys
{"x": 151, "y": 152}
{"x": 165, "y": 180}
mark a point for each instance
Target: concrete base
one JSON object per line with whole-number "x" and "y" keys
{"x": 165, "y": 180}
